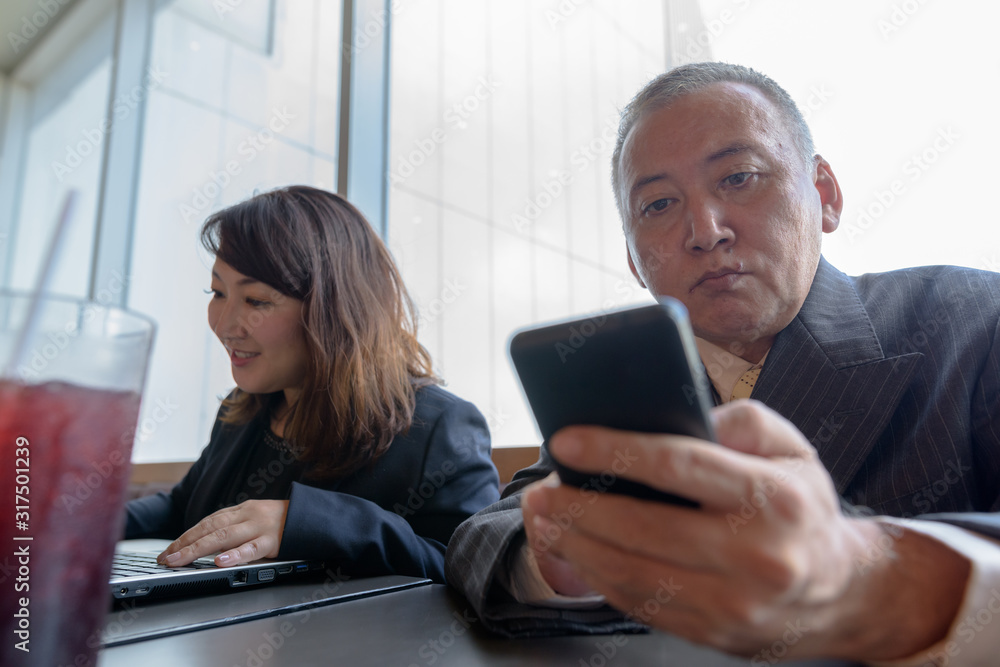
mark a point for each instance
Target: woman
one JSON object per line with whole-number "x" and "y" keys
{"x": 337, "y": 443}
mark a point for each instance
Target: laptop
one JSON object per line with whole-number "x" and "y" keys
{"x": 136, "y": 574}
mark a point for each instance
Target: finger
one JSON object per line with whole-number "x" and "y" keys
{"x": 197, "y": 532}
{"x": 716, "y": 477}
{"x": 641, "y": 587}
{"x": 753, "y": 428}
{"x": 218, "y": 532}
{"x": 696, "y": 540}
{"x": 249, "y": 551}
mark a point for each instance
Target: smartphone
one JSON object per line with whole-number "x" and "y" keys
{"x": 635, "y": 369}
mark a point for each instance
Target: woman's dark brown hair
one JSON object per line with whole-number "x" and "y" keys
{"x": 365, "y": 363}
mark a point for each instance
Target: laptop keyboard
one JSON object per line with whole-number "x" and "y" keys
{"x": 132, "y": 564}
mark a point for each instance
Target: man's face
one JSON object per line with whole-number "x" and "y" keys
{"x": 723, "y": 215}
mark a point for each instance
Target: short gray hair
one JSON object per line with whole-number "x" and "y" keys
{"x": 685, "y": 79}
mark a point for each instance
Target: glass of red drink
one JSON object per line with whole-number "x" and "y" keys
{"x": 69, "y": 403}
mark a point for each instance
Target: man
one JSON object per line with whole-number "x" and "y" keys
{"x": 883, "y": 390}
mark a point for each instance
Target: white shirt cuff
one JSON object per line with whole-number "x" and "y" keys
{"x": 974, "y": 637}
{"x": 526, "y": 584}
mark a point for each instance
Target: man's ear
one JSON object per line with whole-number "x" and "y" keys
{"x": 631, "y": 266}
{"x": 829, "y": 194}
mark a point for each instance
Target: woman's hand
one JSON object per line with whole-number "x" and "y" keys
{"x": 243, "y": 533}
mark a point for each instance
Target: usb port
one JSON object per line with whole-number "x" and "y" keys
{"x": 142, "y": 591}
{"x": 301, "y": 567}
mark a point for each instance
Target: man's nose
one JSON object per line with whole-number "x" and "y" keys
{"x": 707, "y": 225}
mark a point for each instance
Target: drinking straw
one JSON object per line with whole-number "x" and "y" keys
{"x": 44, "y": 277}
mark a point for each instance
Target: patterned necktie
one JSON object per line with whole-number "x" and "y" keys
{"x": 745, "y": 384}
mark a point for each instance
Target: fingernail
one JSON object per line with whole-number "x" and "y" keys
{"x": 172, "y": 558}
{"x": 223, "y": 558}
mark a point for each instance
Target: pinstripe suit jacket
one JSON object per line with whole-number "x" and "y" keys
{"x": 894, "y": 378}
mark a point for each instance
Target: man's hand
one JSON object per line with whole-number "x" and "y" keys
{"x": 768, "y": 559}
{"x": 558, "y": 573}
{"x": 243, "y": 533}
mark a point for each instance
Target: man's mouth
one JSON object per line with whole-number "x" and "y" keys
{"x": 724, "y": 277}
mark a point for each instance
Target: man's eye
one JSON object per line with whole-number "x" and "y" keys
{"x": 738, "y": 179}
{"x": 657, "y": 206}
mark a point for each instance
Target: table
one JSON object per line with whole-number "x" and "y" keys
{"x": 421, "y": 626}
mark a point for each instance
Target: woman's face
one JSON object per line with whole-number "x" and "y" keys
{"x": 262, "y": 332}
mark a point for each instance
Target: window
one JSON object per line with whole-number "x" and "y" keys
{"x": 897, "y": 100}
{"x": 502, "y": 127}
{"x": 54, "y": 140}
{"x": 501, "y": 124}
{"x": 503, "y": 121}
{"x": 228, "y": 119}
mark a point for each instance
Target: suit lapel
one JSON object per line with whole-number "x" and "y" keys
{"x": 827, "y": 374}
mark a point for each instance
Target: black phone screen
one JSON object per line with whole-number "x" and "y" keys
{"x": 635, "y": 370}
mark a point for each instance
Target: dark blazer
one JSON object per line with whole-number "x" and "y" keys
{"x": 894, "y": 378}
{"x": 394, "y": 518}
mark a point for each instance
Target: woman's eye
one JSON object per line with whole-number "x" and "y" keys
{"x": 257, "y": 303}
{"x": 216, "y": 294}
